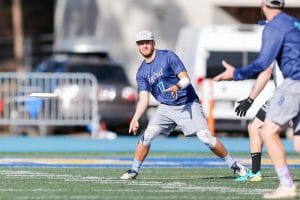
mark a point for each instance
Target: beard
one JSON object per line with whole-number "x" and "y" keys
{"x": 147, "y": 54}
{"x": 263, "y": 20}
{"x": 262, "y": 15}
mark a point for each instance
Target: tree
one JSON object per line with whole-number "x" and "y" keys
{"x": 18, "y": 33}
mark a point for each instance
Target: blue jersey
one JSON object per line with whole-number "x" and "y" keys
{"x": 160, "y": 74}
{"x": 281, "y": 42}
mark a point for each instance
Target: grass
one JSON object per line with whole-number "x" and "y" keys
{"x": 153, "y": 183}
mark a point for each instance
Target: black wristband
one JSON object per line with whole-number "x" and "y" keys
{"x": 250, "y": 100}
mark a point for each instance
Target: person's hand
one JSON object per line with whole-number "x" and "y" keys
{"x": 134, "y": 126}
{"x": 227, "y": 74}
{"x": 243, "y": 106}
{"x": 173, "y": 89}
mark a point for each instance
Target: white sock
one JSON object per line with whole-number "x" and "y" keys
{"x": 229, "y": 160}
{"x": 284, "y": 176}
{"x": 136, "y": 165}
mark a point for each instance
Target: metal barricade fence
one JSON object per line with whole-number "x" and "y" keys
{"x": 75, "y": 104}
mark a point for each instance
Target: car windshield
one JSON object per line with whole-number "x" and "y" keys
{"x": 103, "y": 73}
{"x": 237, "y": 59}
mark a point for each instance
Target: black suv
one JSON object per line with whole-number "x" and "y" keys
{"x": 116, "y": 96}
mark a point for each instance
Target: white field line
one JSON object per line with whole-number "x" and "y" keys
{"x": 30, "y": 190}
{"x": 52, "y": 197}
{"x": 174, "y": 187}
{"x": 70, "y": 161}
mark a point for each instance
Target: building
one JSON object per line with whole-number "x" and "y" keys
{"x": 116, "y": 22}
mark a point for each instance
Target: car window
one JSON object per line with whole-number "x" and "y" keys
{"x": 237, "y": 59}
{"x": 103, "y": 73}
{"x": 50, "y": 66}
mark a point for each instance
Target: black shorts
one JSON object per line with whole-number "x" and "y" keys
{"x": 297, "y": 133}
{"x": 261, "y": 114}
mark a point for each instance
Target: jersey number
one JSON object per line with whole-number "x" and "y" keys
{"x": 161, "y": 86}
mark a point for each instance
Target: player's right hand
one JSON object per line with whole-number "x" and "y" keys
{"x": 227, "y": 74}
{"x": 134, "y": 126}
{"x": 243, "y": 106}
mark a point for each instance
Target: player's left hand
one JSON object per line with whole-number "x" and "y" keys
{"x": 173, "y": 89}
{"x": 227, "y": 74}
{"x": 244, "y": 105}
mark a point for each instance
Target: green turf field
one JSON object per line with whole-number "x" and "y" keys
{"x": 152, "y": 183}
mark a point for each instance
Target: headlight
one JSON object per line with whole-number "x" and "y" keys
{"x": 106, "y": 93}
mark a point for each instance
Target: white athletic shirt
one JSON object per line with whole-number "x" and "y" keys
{"x": 277, "y": 74}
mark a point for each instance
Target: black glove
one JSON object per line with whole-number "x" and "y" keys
{"x": 243, "y": 106}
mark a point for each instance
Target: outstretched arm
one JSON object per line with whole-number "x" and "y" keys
{"x": 139, "y": 111}
{"x": 271, "y": 44}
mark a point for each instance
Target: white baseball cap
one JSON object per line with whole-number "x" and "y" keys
{"x": 274, "y": 3}
{"x": 144, "y": 35}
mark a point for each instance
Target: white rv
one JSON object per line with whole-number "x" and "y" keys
{"x": 202, "y": 50}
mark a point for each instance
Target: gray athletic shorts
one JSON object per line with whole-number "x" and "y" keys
{"x": 189, "y": 118}
{"x": 285, "y": 104}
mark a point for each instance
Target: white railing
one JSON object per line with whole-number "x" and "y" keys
{"x": 75, "y": 104}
